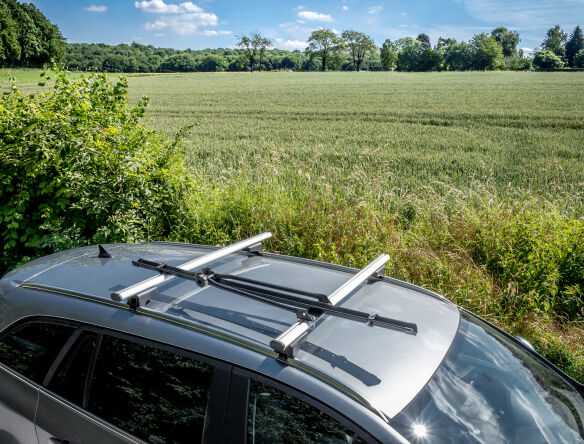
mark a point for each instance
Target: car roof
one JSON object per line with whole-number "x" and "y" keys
{"x": 385, "y": 367}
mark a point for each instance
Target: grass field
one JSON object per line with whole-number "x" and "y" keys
{"x": 385, "y": 138}
{"x": 24, "y": 76}
{"x": 472, "y": 182}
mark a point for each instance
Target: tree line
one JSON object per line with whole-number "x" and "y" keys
{"x": 27, "y": 37}
{"x": 349, "y": 51}
{"x": 497, "y": 50}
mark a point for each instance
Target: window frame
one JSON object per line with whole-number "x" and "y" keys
{"x": 218, "y": 391}
{"x": 237, "y": 412}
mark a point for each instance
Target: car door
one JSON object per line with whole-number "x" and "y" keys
{"x": 27, "y": 351}
{"x": 116, "y": 388}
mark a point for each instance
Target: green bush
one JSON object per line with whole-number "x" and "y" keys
{"x": 77, "y": 167}
{"x": 516, "y": 63}
{"x": 547, "y": 60}
{"x": 537, "y": 259}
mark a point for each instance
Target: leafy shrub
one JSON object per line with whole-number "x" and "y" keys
{"x": 516, "y": 63}
{"x": 537, "y": 259}
{"x": 547, "y": 60}
{"x": 77, "y": 167}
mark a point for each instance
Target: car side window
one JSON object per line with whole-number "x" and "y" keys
{"x": 276, "y": 416}
{"x": 31, "y": 349}
{"x": 154, "y": 394}
{"x": 70, "y": 378}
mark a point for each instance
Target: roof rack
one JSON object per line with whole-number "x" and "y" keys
{"x": 134, "y": 293}
{"x": 284, "y": 344}
{"x": 300, "y": 302}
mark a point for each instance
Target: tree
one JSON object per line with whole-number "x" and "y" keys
{"x": 579, "y": 59}
{"x": 248, "y": 45}
{"x": 407, "y": 58}
{"x": 29, "y": 37}
{"x": 261, "y": 44}
{"x": 458, "y": 56}
{"x": 388, "y": 55}
{"x": 487, "y": 52}
{"x": 444, "y": 44}
{"x": 555, "y": 40}
{"x": 358, "y": 45}
{"x": 574, "y": 45}
{"x": 178, "y": 63}
{"x": 291, "y": 62}
{"x": 547, "y": 59}
{"x": 212, "y": 63}
{"x": 52, "y": 43}
{"x": 424, "y": 40}
{"x": 9, "y": 46}
{"x": 429, "y": 60}
{"x": 413, "y": 56}
{"x": 325, "y": 45}
{"x": 508, "y": 40}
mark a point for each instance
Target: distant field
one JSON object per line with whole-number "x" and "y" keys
{"x": 30, "y": 77}
{"x": 381, "y": 137}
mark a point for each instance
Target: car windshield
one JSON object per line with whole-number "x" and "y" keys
{"x": 489, "y": 389}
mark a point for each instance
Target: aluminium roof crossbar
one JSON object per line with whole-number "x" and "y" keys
{"x": 147, "y": 285}
{"x": 284, "y": 344}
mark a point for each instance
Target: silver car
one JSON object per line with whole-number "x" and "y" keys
{"x": 177, "y": 343}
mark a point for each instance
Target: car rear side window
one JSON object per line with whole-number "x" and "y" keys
{"x": 70, "y": 378}
{"x": 276, "y": 416}
{"x": 154, "y": 394}
{"x": 31, "y": 349}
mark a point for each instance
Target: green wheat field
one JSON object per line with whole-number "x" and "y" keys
{"x": 472, "y": 182}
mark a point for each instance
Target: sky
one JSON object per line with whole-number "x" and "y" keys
{"x": 217, "y": 23}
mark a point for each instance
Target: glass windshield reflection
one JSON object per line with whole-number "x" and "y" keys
{"x": 491, "y": 390}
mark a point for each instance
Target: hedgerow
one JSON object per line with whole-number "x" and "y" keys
{"x": 78, "y": 167}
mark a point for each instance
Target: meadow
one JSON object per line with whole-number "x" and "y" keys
{"x": 472, "y": 182}
{"x": 384, "y": 138}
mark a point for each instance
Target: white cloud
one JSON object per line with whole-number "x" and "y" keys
{"x": 212, "y": 32}
{"x": 375, "y": 9}
{"x": 159, "y": 7}
{"x": 345, "y": 8}
{"x": 160, "y": 34}
{"x": 184, "y": 18}
{"x": 95, "y": 8}
{"x": 291, "y": 44}
{"x": 402, "y": 13}
{"x": 315, "y": 16}
{"x": 185, "y": 24}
